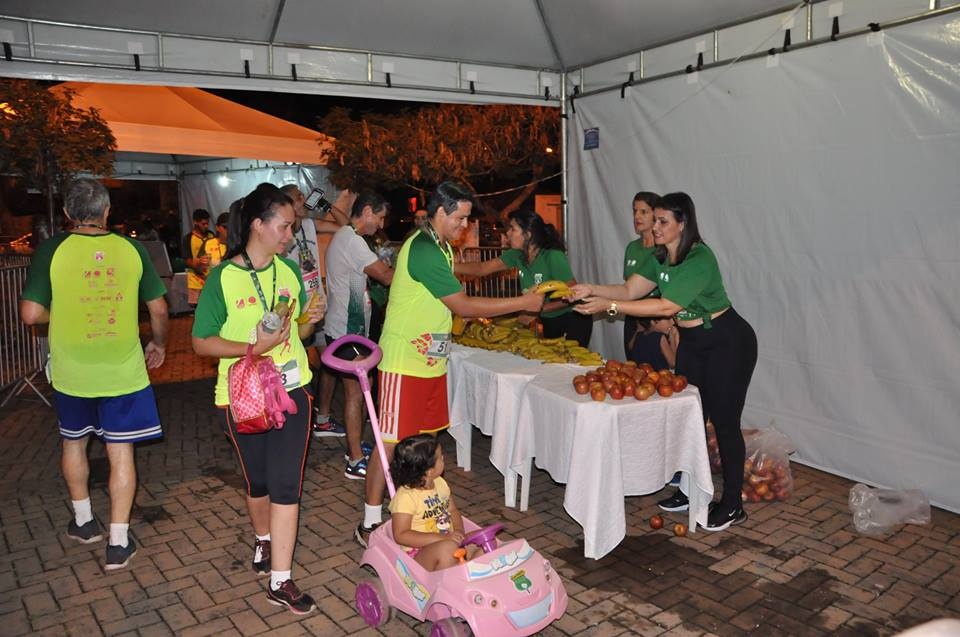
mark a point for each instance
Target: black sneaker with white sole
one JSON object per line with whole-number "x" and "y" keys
{"x": 86, "y": 533}
{"x": 722, "y": 517}
{"x": 119, "y": 556}
{"x": 677, "y": 502}
{"x": 289, "y": 595}
{"x": 362, "y": 533}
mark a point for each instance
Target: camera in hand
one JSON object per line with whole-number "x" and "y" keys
{"x": 316, "y": 201}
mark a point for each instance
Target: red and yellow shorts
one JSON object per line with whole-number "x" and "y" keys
{"x": 410, "y": 405}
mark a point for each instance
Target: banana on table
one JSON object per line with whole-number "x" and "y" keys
{"x": 507, "y": 335}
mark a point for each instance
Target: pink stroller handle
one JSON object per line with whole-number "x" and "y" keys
{"x": 359, "y": 368}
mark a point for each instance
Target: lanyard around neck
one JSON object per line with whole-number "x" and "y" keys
{"x": 256, "y": 281}
{"x": 447, "y": 252}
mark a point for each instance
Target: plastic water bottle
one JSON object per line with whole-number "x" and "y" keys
{"x": 271, "y": 322}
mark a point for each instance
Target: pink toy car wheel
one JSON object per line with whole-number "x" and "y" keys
{"x": 449, "y": 628}
{"x": 371, "y": 601}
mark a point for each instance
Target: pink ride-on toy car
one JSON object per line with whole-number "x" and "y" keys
{"x": 509, "y": 589}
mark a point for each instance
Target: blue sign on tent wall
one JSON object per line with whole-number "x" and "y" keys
{"x": 591, "y": 138}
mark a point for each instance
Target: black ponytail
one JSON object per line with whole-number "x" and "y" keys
{"x": 261, "y": 204}
{"x": 542, "y": 235}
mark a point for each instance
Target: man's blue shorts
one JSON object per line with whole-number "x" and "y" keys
{"x": 127, "y": 418}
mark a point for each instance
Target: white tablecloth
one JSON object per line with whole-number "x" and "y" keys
{"x": 604, "y": 451}
{"x": 531, "y": 410}
{"x": 484, "y": 390}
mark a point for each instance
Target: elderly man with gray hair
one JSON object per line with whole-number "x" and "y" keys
{"x": 87, "y": 285}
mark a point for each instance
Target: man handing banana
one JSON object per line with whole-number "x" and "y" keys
{"x": 416, "y": 334}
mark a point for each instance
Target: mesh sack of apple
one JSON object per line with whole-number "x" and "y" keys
{"x": 713, "y": 448}
{"x": 622, "y": 380}
{"x": 766, "y": 470}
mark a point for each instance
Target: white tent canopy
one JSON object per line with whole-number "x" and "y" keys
{"x": 826, "y": 176}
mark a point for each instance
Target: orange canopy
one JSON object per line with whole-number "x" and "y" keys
{"x": 189, "y": 121}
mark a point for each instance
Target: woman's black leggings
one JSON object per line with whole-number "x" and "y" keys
{"x": 720, "y": 362}
{"x": 573, "y": 325}
{"x": 273, "y": 462}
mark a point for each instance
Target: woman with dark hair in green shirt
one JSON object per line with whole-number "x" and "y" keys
{"x": 718, "y": 348}
{"x": 638, "y": 342}
{"x": 537, "y": 251}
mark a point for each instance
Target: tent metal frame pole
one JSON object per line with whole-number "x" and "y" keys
{"x": 532, "y": 97}
{"x": 690, "y": 36}
{"x": 800, "y": 45}
{"x": 564, "y": 130}
{"x": 265, "y": 43}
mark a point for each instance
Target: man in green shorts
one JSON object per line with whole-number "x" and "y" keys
{"x": 87, "y": 284}
{"x": 416, "y": 335}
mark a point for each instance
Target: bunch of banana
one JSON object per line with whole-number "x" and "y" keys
{"x": 507, "y": 335}
{"x": 557, "y": 289}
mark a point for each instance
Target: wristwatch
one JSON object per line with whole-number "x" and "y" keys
{"x": 612, "y": 310}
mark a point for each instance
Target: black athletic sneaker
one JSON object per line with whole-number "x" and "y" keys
{"x": 677, "y": 502}
{"x": 298, "y": 602}
{"x": 119, "y": 556}
{"x": 362, "y": 533}
{"x": 261, "y": 556}
{"x": 87, "y": 533}
{"x": 721, "y": 517}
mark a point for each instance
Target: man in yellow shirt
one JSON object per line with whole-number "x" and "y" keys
{"x": 87, "y": 285}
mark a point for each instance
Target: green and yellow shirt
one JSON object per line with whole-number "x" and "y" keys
{"x": 195, "y": 246}
{"x": 416, "y": 331}
{"x": 230, "y": 308}
{"x": 547, "y": 266}
{"x": 695, "y": 284}
{"x": 92, "y": 285}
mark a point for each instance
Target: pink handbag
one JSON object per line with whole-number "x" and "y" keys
{"x": 258, "y": 400}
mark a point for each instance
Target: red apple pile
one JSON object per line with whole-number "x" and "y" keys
{"x": 625, "y": 380}
{"x": 766, "y": 478}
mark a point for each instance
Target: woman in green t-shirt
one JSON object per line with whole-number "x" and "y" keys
{"x": 238, "y": 294}
{"x": 718, "y": 348}
{"x": 536, "y": 250}
{"x": 638, "y": 342}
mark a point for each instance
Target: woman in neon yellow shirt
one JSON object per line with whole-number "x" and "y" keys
{"x": 236, "y": 296}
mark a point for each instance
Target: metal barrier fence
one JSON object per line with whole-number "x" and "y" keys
{"x": 14, "y": 259}
{"x": 501, "y": 284}
{"x": 22, "y": 352}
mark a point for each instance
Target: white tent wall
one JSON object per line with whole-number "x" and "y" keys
{"x": 827, "y": 183}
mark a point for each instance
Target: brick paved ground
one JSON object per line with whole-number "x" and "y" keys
{"x": 795, "y": 568}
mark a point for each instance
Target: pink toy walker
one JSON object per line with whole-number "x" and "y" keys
{"x": 509, "y": 589}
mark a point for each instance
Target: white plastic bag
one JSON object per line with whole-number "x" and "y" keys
{"x": 766, "y": 469}
{"x": 876, "y": 511}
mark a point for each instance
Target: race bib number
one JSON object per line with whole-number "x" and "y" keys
{"x": 439, "y": 346}
{"x": 311, "y": 280}
{"x": 289, "y": 374}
